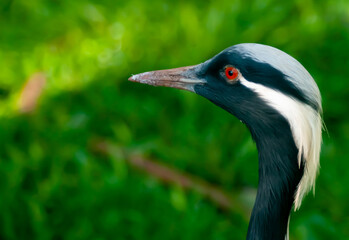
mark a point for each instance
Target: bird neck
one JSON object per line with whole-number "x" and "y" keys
{"x": 279, "y": 176}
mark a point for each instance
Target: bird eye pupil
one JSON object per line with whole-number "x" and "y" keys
{"x": 230, "y": 73}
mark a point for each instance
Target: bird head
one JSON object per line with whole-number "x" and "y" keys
{"x": 262, "y": 86}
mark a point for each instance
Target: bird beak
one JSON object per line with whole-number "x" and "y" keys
{"x": 182, "y": 78}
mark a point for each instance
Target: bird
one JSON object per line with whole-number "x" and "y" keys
{"x": 280, "y": 103}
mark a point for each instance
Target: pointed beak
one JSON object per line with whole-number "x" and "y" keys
{"x": 182, "y": 78}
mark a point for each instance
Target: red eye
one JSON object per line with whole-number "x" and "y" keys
{"x": 231, "y": 73}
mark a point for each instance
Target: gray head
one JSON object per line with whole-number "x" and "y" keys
{"x": 294, "y": 72}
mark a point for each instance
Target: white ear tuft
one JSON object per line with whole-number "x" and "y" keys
{"x": 306, "y": 126}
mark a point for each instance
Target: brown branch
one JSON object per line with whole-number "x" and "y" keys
{"x": 169, "y": 175}
{"x": 31, "y": 92}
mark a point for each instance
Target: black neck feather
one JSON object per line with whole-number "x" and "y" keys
{"x": 279, "y": 176}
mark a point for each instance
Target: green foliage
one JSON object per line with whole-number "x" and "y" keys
{"x": 53, "y": 185}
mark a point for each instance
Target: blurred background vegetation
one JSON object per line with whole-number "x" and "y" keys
{"x": 71, "y": 123}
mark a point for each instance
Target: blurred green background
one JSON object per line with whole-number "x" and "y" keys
{"x": 70, "y": 120}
